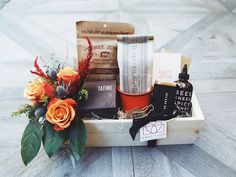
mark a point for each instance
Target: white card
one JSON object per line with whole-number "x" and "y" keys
{"x": 166, "y": 67}
{"x": 153, "y": 130}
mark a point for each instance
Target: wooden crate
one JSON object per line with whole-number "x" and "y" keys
{"x": 106, "y": 133}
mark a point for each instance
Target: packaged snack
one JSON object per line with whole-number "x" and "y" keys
{"x": 103, "y": 37}
{"x": 101, "y": 102}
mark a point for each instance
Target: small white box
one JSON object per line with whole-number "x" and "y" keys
{"x": 107, "y": 133}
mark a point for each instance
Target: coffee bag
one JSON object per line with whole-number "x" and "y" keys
{"x": 103, "y": 37}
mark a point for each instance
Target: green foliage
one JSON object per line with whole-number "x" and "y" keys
{"x": 72, "y": 159}
{"x": 83, "y": 94}
{"x": 52, "y": 140}
{"x": 44, "y": 100}
{"x": 30, "y": 113}
{"x": 24, "y": 109}
{"x": 78, "y": 137}
{"x": 31, "y": 141}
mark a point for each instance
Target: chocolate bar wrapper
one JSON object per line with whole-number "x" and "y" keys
{"x": 101, "y": 102}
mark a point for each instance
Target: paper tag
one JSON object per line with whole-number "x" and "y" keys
{"x": 153, "y": 130}
{"x": 166, "y": 67}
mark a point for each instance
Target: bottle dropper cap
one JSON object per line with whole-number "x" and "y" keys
{"x": 184, "y": 74}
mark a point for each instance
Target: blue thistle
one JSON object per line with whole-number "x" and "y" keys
{"x": 53, "y": 74}
{"x": 61, "y": 92}
{"x": 40, "y": 112}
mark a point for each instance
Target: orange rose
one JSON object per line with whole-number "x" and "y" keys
{"x": 70, "y": 77}
{"x": 37, "y": 89}
{"x": 61, "y": 113}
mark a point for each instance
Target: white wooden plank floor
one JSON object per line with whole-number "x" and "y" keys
{"x": 202, "y": 29}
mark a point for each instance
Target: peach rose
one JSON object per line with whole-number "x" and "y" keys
{"x": 68, "y": 75}
{"x": 37, "y": 89}
{"x": 61, "y": 113}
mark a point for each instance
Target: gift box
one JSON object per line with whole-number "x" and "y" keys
{"x": 60, "y": 111}
{"x": 179, "y": 130}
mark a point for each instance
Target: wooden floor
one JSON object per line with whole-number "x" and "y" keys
{"x": 202, "y": 29}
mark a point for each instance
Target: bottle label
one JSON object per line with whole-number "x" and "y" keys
{"x": 183, "y": 100}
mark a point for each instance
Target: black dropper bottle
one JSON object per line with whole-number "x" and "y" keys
{"x": 184, "y": 93}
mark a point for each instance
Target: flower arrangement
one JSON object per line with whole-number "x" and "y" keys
{"x": 53, "y": 110}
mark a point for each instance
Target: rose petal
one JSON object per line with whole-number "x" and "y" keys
{"x": 71, "y": 102}
{"x": 57, "y": 128}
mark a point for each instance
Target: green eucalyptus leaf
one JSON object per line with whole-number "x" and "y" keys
{"x": 72, "y": 159}
{"x": 31, "y": 141}
{"x": 74, "y": 152}
{"x": 52, "y": 139}
{"x": 78, "y": 137}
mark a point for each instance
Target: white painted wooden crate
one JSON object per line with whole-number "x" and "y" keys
{"x": 105, "y": 133}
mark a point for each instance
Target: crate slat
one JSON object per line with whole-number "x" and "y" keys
{"x": 107, "y": 133}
